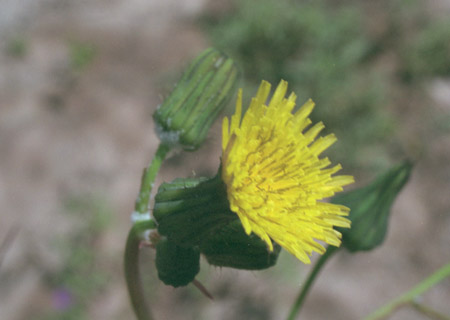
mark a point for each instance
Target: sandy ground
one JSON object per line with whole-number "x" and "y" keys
{"x": 66, "y": 133}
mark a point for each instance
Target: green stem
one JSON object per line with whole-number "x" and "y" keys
{"x": 429, "y": 312}
{"x": 148, "y": 178}
{"x": 309, "y": 281}
{"x": 131, "y": 258}
{"x": 131, "y": 266}
{"x": 409, "y": 296}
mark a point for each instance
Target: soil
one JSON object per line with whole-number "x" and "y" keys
{"x": 68, "y": 133}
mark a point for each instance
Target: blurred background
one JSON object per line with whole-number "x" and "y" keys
{"x": 79, "y": 81}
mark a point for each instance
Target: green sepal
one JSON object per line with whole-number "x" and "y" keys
{"x": 205, "y": 87}
{"x": 190, "y": 210}
{"x": 231, "y": 247}
{"x": 177, "y": 266}
{"x": 370, "y": 208}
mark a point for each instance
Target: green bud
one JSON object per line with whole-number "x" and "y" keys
{"x": 177, "y": 266}
{"x": 370, "y": 208}
{"x": 190, "y": 210}
{"x": 206, "y": 86}
{"x": 231, "y": 247}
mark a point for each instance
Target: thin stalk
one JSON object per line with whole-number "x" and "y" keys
{"x": 135, "y": 236}
{"x": 148, "y": 178}
{"x": 132, "y": 274}
{"x": 7, "y": 242}
{"x": 429, "y": 312}
{"x": 309, "y": 281}
{"x": 409, "y": 296}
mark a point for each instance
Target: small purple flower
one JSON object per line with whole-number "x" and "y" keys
{"x": 61, "y": 299}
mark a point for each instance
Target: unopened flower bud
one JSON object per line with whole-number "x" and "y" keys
{"x": 186, "y": 115}
{"x": 177, "y": 266}
{"x": 231, "y": 247}
{"x": 370, "y": 207}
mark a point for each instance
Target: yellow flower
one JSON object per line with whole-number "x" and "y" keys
{"x": 275, "y": 178}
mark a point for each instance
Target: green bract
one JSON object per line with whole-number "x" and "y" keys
{"x": 189, "y": 210}
{"x": 194, "y": 214}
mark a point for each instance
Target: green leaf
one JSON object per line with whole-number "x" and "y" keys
{"x": 370, "y": 208}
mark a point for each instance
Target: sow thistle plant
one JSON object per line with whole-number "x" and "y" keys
{"x": 268, "y": 192}
{"x": 271, "y": 178}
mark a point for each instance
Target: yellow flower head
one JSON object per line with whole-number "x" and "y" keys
{"x": 275, "y": 178}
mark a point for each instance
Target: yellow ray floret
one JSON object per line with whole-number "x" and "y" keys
{"x": 275, "y": 178}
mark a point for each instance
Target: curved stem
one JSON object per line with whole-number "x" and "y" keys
{"x": 131, "y": 266}
{"x": 309, "y": 281}
{"x": 131, "y": 258}
{"x": 409, "y": 296}
{"x": 148, "y": 178}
